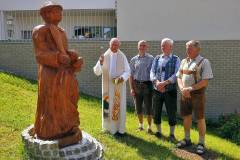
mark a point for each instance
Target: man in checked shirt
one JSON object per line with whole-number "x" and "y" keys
{"x": 163, "y": 76}
{"x": 140, "y": 84}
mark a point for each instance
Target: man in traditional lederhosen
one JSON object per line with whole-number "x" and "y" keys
{"x": 163, "y": 76}
{"x": 193, "y": 76}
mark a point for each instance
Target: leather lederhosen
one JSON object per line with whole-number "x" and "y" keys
{"x": 197, "y": 101}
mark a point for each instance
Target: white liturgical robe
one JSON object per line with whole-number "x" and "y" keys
{"x": 115, "y": 65}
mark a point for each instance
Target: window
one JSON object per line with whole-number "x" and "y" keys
{"x": 10, "y": 33}
{"x": 84, "y": 32}
{"x": 26, "y": 34}
{"x": 107, "y": 32}
{"x": 94, "y": 32}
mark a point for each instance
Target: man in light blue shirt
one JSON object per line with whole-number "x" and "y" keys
{"x": 140, "y": 84}
{"x": 163, "y": 76}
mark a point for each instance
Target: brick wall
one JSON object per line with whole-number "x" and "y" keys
{"x": 223, "y": 93}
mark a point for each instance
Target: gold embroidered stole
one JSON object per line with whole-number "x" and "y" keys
{"x": 117, "y": 87}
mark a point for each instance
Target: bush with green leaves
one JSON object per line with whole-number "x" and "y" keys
{"x": 230, "y": 127}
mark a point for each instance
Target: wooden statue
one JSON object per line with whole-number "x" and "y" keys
{"x": 56, "y": 116}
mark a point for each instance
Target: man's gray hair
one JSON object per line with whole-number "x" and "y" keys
{"x": 141, "y": 41}
{"x": 194, "y": 43}
{"x": 167, "y": 40}
{"x": 113, "y": 40}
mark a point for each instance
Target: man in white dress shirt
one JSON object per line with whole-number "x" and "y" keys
{"x": 115, "y": 71}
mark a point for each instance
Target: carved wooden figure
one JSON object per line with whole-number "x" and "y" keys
{"x": 56, "y": 116}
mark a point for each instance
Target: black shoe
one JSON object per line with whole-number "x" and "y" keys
{"x": 172, "y": 138}
{"x": 118, "y": 134}
{"x": 184, "y": 143}
{"x": 158, "y": 134}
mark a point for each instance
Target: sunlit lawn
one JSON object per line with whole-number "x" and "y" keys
{"x": 18, "y": 98}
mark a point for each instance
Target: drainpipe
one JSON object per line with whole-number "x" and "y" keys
{"x": 2, "y": 26}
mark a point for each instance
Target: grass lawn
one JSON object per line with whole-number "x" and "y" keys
{"x": 18, "y": 99}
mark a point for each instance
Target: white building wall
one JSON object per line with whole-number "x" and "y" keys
{"x": 178, "y": 19}
{"x": 67, "y": 4}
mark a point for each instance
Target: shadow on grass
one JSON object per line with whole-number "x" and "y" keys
{"x": 147, "y": 150}
{"x": 152, "y": 150}
{"x": 212, "y": 129}
{"x": 189, "y": 153}
{"x": 209, "y": 154}
{"x": 13, "y": 75}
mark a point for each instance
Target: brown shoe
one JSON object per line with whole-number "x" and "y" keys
{"x": 149, "y": 131}
{"x": 140, "y": 129}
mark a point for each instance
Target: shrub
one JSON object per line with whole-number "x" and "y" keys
{"x": 230, "y": 127}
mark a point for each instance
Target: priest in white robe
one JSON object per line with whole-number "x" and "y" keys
{"x": 115, "y": 71}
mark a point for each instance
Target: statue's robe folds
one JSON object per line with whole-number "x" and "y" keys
{"x": 56, "y": 114}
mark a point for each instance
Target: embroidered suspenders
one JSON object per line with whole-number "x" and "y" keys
{"x": 194, "y": 72}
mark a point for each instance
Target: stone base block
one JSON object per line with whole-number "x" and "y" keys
{"x": 87, "y": 149}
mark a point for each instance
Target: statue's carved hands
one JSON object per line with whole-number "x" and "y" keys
{"x": 64, "y": 59}
{"x": 73, "y": 55}
{"x": 76, "y": 61}
{"x": 78, "y": 64}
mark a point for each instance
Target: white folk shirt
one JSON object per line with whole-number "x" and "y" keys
{"x": 204, "y": 71}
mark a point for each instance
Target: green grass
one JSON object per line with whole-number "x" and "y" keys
{"x": 18, "y": 98}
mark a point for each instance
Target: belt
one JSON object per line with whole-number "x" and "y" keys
{"x": 143, "y": 82}
{"x": 163, "y": 69}
{"x": 199, "y": 91}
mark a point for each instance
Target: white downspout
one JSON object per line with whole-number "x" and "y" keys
{"x": 2, "y": 26}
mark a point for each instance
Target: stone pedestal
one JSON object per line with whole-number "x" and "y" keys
{"x": 87, "y": 149}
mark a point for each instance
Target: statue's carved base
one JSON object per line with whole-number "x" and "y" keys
{"x": 87, "y": 149}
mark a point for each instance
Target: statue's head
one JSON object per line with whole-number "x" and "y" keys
{"x": 51, "y": 12}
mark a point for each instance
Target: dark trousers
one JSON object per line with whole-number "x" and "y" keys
{"x": 170, "y": 100}
{"x": 143, "y": 94}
